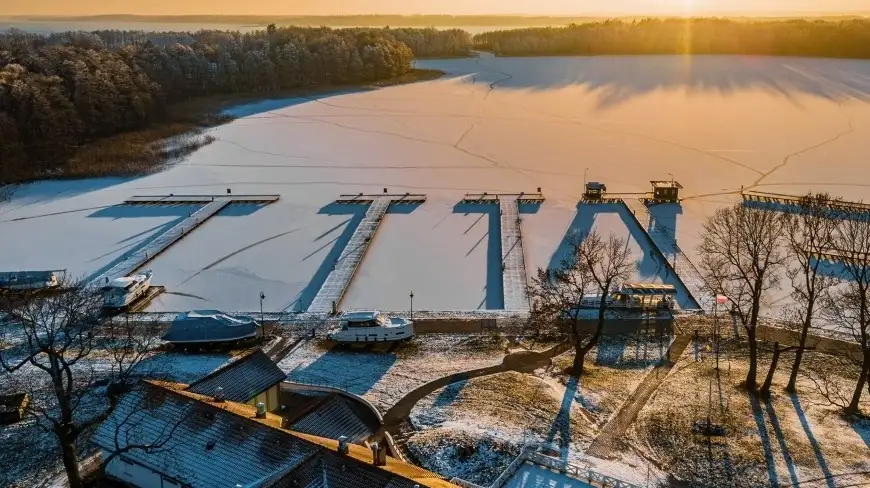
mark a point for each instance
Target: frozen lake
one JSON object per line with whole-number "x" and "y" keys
{"x": 716, "y": 124}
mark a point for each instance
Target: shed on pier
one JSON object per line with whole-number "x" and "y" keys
{"x": 594, "y": 190}
{"x": 666, "y": 191}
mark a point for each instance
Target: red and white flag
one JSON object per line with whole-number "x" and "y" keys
{"x": 721, "y": 299}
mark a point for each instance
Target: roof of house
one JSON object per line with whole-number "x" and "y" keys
{"x": 242, "y": 379}
{"x": 208, "y": 444}
{"x": 333, "y": 418}
{"x": 209, "y": 326}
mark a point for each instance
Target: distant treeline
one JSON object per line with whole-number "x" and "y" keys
{"x": 394, "y": 20}
{"x": 63, "y": 91}
{"x": 842, "y": 39}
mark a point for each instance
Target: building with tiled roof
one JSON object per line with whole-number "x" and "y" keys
{"x": 252, "y": 378}
{"x": 162, "y": 435}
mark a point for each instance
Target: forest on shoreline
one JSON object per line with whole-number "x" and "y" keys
{"x": 65, "y": 96}
{"x": 62, "y": 95}
{"x": 808, "y": 38}
{"x": 395, "y": 20}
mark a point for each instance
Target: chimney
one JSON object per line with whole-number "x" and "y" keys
{"x": 219, "y": 395}
{"x": 261, "y": 410}
{"x": 342, "y": 445}
{"x": 379, "y": 454}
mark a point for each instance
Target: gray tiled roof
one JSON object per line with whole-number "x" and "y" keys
{"x": 208, "y": 447}
{"x": 327, "y": 469}
{"x": 242, "y": 379}
{"x": 216, "y": 445}
{"x": 333, "y": 419}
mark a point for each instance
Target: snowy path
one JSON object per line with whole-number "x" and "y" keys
{"x": 603, "y": 445}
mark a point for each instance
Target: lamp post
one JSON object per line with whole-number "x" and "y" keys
{"x": 412, "y": 304}
{"x": 584, "y": 177}
{"x": 262, "y": 316}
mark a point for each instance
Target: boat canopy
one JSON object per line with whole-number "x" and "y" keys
{"x": 209, "y": 326}
{"x": 649, "y": 289}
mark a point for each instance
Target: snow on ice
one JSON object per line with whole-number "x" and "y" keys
{"x": 718, "y": 124}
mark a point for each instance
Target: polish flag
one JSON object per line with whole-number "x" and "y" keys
{"x": 721, "y": 300}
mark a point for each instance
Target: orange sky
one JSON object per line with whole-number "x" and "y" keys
{"x": 307, "y": 7}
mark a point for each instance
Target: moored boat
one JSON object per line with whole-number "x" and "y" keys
{"x": 371, "y": 327}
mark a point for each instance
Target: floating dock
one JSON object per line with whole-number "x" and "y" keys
{"x": 198, "y": 199}
{"x": 779, "y": 200}
{"x": 843, "y": 258}
{"x": 665, "y": 243}
{"x": 211, "y": 205}
{"x": 333, "y": 289}
{"x": 513, "y": 262}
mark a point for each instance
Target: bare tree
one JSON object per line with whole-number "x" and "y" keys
{"x": 849, "y": 304}
{"x": 741, "y": 254}
{"x": 809, "y": 232}
{"x": 73, "y": 362}
{"x": 764, "y": 391}
{"x": 592, "y": 265}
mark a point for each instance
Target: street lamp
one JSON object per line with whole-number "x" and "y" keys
{"x": 412, "y": 304}
{"x": 262, "y": 316}
{"x": 584, "y": 176}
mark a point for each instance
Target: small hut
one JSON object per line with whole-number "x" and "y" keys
{"x": 666, "y": 191}
{"x": 594, "y": 191}
{"x": 12, "y": 407}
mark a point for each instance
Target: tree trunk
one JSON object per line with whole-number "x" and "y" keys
{"x": 70, "y": 462}
{"x": 751, "y": 381}
{"x": 799, "y": 355}
{"x": 579, "y": 357}
{"x": 854, "y": 407}
{"x": 764, "y": 392}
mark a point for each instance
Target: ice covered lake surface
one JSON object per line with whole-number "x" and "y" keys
{"x": 716, "y": 123}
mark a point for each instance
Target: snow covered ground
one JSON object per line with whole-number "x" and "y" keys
{"x": 715, "y": 123}
{"x": 385, "y": 377}
{"x": 474, "y": 429}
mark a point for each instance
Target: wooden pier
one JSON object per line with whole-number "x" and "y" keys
{"x": 778, "y": 201}
{"x": 198, "y": 199}
{"x": 211, "y": 205}
{"x": 332, "y": 291}
{"x": 833, "y": 256}
{"x": 513, "y": 262}
{"x": 666, "y": 245}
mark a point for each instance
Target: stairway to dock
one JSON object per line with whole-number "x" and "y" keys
{"x": 333, "y": 289}
{"x": 666, "y": 244}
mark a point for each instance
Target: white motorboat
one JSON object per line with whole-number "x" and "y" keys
{"x": 28, "y": 280}
{"x": 634, "y": 296}
{"x": 121, "y": 292}
{"x": 371, "y": 327}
